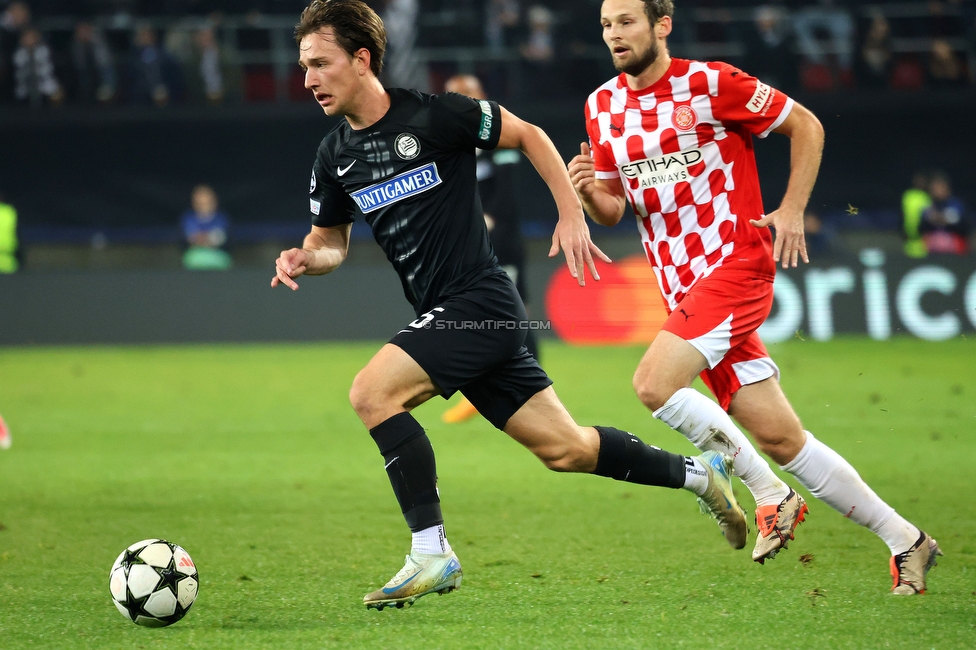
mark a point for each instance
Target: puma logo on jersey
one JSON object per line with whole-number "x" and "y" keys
{"x": 618, "y": 129}
{"x": 342, "y": 172}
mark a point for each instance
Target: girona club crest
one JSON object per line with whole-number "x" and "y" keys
{"x": 684, "y": 118}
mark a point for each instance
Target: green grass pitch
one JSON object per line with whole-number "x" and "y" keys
{"x": 252, "y": 459}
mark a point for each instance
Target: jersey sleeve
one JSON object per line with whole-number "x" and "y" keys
{"x": 603, "y": 163}
{"x": 327, "y": 201}
{"x": 466, "y": 122}
{"x": 743, "y": 99}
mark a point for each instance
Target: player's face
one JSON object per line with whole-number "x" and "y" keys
{"x": 627, "y": 32}
{"x": 330, "y": 73}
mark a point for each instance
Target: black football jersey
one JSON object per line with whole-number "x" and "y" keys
{"x": 412, "y": 176}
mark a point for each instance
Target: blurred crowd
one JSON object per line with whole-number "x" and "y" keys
{"x": 54, "y": 52}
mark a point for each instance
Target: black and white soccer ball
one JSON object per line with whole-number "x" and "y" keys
{"x": 154, "y": 583}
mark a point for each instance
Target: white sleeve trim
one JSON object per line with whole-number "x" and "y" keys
{"x": 785, "y": 113}
{"x": 606, "y": 176}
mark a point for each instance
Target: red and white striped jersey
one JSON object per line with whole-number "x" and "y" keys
{"x": 683, "y": 150}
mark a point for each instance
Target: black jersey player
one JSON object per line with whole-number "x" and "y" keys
{"x": 405, "y": 162}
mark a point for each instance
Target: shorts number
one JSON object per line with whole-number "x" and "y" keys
{"x": 424, "y": 321}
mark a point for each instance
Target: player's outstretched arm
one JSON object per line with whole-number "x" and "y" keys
{"x": 806, "y": 136}
{"x": 572, "y": 235}
{"x": 323, "y": 250}
{"x": 603, "y": 200}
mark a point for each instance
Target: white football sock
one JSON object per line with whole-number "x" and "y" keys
{"x": 430, "y": 540}
{"x": 708, "y": 427}
{"x": 831, "y": 479}
{"x": 696, "y": 475}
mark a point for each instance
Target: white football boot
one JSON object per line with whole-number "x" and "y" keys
{"x": 719, "y": 501}
{"x": 908, "y": 569}
{"x": 422, "y": 574}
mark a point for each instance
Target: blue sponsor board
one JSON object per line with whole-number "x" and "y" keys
{"x": 399, "y": 187}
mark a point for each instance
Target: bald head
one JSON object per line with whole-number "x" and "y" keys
{"x": 465, "y": 84}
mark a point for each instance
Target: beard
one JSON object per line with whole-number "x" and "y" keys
{"x": 641, "y": 63}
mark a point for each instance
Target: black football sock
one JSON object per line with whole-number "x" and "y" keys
{"x": 409, "y": 460}
{"x": 624, "y": 457}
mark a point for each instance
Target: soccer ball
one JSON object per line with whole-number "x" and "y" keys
{"x": 153, "y": 583}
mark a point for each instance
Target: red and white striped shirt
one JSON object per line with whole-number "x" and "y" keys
{"x": 683, "y": 150}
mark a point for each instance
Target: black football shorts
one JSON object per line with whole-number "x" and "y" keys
{"x": 473, "y": 342}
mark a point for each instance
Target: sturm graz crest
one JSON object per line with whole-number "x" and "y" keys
{"x": 407, "y": 146}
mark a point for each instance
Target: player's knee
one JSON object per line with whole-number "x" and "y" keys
{"x": 781, "y": 443}
{"x": 363, "y": 397}
{"x": 652, "y": 394}
{"x": 569, "y": 457}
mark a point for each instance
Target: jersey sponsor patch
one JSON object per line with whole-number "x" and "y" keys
{"x": 314, "y": 206}
{"x": 402, "y": 186}
{"x": 759, "y": 98}
{"x": 484, "y": 132}
{"x": 662, "y": 170}
{"x": 406, "y": 146}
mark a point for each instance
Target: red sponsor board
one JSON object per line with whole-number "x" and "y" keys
{"x": 624, "y": 307}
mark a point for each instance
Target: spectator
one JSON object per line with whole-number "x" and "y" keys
{"x": 154, "y": 74}
{"x": 945, "y": 69}
{"x": 875, "y": 62}
{"x": 821, "y": 238}
{"x": 205, "y": 230}
{"x": 539, "y": 55}
{"x": 211, "y": 73}
{"x": 403, "y": 67}
{"x": 497, "y": 178}
{"x": 968, "y": 27}
{"x": 93, "y": 67}
{"x": 944, "y": 225}
{"x": 210, "y": 68}
{"x": 501, "y": 23}
{"x": 539, "y": 48}
{"x": 9, "y": 246}
{"x": 34, "y": 80}
{"x": 829, "y": 16}
{"x": 580, "y": 32}
{"x": 913, "y": 203}
{"x": 13, "y": 22}
{"x": 770, "y": 49}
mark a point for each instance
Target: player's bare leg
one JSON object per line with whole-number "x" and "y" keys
{"x": 392, "y": 383}
{"x": 382, "y": 395}
{"x": 662, "y": 382}
{"x": 764, "y": 411}
{"x": 545, "y": 427}
{"x": 780, "y": 437}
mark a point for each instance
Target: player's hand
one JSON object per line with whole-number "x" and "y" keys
{"x": 572, "y": 235}
{"x": 582, "y": 172}
{"x": 290, "y": 264}
{"x": 789, "y": 243}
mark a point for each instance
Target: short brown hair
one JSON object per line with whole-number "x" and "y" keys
{"x": 658, "y": 9}
{"x": 356, "y": 26}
